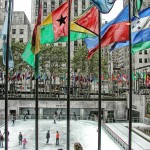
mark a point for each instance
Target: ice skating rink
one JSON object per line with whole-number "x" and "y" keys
{"x": 81, "y": 131}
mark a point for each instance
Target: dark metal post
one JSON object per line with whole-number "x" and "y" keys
{"x": 99, "y": 78}
{"x": 6, "y": 77}
{"x": 36, "y": 97}
{"x": 68, "y": 81}
{"x": 130, "y": 82}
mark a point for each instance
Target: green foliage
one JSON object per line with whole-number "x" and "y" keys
{"x": 53, "y": 58}
{"x": 85, "y": 66}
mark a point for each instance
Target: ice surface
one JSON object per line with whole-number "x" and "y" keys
{"x": 81, "y": 131}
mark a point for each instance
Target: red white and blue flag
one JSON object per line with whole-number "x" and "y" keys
{"x": 116, "y": 30}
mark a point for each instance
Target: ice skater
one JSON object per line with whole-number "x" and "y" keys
{"x": 20, "y": 138}
{"x": 1, "y": 139}
{"x": 24, "y": 142}
{"x": 13, "y": 122}
{"x": 57, "y": 137}
{"x": 54, "y": 117}
{"x": 60, "y": 116}
{"x": 75, "y": 116}
{"x": 47, "y": 136}
{"x": 25, "y": 116}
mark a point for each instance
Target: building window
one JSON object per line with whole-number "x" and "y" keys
{"x": 60, "y": 44}
{"x": 21, "y": 31}
{"x": 140, "y": 60}
{"x": 60, "y": 1}
{"x": 21, "y": 40}
{"x": 145, "y": 52}
{"x": 145, "y": 60}
{"x": 75, "y": 12}
{"x": 83, "y": 4}
{"x": 13, "y": 31}
{"x": 13, "y": 39}
{"x": 45, "y": 12}
{"x": 53, "y": 4}
{"x": 140, "y": 52}
{"x": 148, "y": 4}
{"x": 144, "y": 4}
{"x": 45, "y": 4}
{"x": 75, "y": 44}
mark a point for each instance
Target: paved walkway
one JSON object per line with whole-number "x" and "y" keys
{"x": 138, "y": 143}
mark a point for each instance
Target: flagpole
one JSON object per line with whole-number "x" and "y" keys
{"x": 130, "y": 82}
{"x": 36, "y": 95}
{"x": 99, "y": 78}
{"x": 6, "y": 80}
{"x": 68, "y": 81}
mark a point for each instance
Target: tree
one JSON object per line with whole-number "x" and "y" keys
{"x": 85, "y": 66}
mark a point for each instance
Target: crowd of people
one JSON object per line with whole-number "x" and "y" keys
{"x": 23, "y": 141}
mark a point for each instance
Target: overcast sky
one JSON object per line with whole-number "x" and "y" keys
{"x": 25, "y": 5}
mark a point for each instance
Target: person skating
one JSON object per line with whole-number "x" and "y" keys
{"x": 60, "y": 116}
{"x": 54, "y": 117}
{"x": 13, "y": 121}
{"x": 75, "y": 116}
{"x": 47, "y": 136}
{"x": 1, "y": 139}
{"x": 24, "y": 142}
{"x": 20, "y": 138}
{"x": 57, "y": 137}
{"x": 25, "y": 116}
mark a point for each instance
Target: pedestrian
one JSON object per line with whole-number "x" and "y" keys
{"x": 60, "y": 115}
{"x": 25, "y": 117}
{"x": 20, "y": 138}
{"x": 47, "y": 136}
{"x": 56, "y": 112}
{"x": 78, "y": 146}
{"x": 75, "y": 116}
{"x": 54, "y": 116}
{"x": 13, "y": 121}
{"x": 1, "y": 139}
{"x": 4, "y": 134}
{"x": 24, "y": 142}
{"x": 57, "y": 137}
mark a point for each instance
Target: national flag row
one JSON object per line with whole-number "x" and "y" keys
{"x": 54, "y": 28}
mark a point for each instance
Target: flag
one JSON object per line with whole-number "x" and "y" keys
{"x": 60, "y": 21}
{"x": 104, "y": 6}
{"x": 4, "y": 45}
{"x": 140, "y": 33}
{"x": 28, "y": 76}
{"x": 147, "y": 79}
{"x": 36, "y": 33}
{"x": 136, "y": 7}
{"x": 47, "y": 37}
{"x": 116, "y": 30}
{"x": 89, "y": 20}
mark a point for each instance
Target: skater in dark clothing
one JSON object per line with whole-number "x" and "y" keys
{"x": 47, "y": 136}
{"x": 1, "y": 139}
{"x": 60, "y": 116}
{"x": 54, "y": 116}
{"x": 20, "y": 138}
{"x": 13, "y": 121}
{"x": 75, "y": 116}
{"x": 25, "y": 116}
{"x": 56, "y": 112}
{"x": 57, "y": 137}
